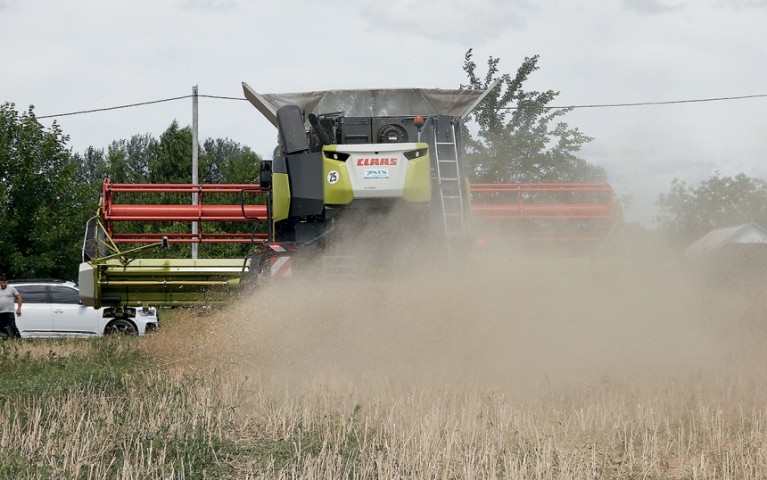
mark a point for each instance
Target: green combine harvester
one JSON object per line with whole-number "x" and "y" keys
{"x": 355, "y": 172}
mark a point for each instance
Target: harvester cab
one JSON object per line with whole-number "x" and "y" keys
{"x": 377, "y": 165}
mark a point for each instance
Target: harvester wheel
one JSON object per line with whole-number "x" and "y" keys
{"x": 120, "y": 326}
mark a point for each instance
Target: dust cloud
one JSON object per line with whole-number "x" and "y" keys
{"x": 488, "y": 318}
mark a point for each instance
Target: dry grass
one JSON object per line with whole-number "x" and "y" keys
{"x": 591, "y": 431}
{"x": 538, "y": 373}
{"x": 499, "y": 372}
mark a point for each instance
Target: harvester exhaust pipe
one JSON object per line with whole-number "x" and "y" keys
{"x": 321, "y": 133}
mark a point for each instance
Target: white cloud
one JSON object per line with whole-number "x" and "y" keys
{"x": 209, "y": 4}
{"x": 652, "y": 6}
{"x": 743, "y": 4}
{"x": 466, "y": 22}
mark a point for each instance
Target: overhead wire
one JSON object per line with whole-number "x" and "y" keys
{"x": 642, "y": 104}
{"x": 139, "y": 104}
{"x": 594, "y": 105}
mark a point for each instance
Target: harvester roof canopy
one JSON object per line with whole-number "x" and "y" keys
{"x": 371, "y": 103}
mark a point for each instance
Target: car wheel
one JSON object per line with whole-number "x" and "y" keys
{"x": 120, "y": 326}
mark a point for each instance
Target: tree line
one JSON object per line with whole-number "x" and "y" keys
{"x": 48, "y": 191}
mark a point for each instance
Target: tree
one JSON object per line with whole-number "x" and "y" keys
{"x": 128, "y": 161}
{"x": 173, "y": 162}
{"x": 228, "y": 162}
{"x": 687, "y": 213}
{"x": 93, "y": 165}
{"x": 521, "y": 138}
{"x": 43, "y": 202}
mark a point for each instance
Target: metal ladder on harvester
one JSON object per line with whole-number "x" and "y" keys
{"x": 449, "y": 180}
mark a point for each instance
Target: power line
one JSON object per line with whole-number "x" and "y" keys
{"x": 642, "y": 104}
{"x": 151, "y": 102}
{"x": 594, "y": 105}
{"x": 140, "y": 104}
{"x": 221, "y": 97}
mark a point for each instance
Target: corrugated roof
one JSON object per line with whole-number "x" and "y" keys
{"x": 718, "y": 239}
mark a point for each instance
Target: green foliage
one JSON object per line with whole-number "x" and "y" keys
{"x": 173, "y": 162}
{"x": 226, "y": 161}
{"x": 22, "y": 376}
{"x": 687, "y": 213}
{"x": 43, "y": 200}
{"x": 125, "y": 161}
{"x": 520, "y": 138}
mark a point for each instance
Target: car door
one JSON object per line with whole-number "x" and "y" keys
{"x": 69, "y": 316}
{"x": 36, "y": 318}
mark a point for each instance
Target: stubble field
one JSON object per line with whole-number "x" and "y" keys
{"x": 498, "y": 368}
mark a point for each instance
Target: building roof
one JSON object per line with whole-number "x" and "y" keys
{"x": 715, "y": 240}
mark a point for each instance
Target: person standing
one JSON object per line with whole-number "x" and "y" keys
{"x": 8, "y": 296}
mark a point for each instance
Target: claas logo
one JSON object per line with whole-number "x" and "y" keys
{"x": 373, "y": 162}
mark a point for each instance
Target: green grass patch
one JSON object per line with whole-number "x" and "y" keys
{"x": 99, "y": 363}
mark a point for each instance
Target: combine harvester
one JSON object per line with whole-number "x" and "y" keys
{"x": 360, "y": 178}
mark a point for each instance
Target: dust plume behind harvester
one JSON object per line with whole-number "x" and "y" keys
{"x": 360, "y": 180}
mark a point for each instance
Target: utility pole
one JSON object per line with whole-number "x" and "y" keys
{"x": 194, "y": 166}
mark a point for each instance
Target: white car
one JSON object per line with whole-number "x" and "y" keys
{"x": 52, "y": 308}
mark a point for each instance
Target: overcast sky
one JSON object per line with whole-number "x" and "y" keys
{"x": 71, "y": 55}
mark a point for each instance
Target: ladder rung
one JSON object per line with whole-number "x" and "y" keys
{"x": 452, "y": 205}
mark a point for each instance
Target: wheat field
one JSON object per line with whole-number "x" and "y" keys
{"x": 494, "y": 371}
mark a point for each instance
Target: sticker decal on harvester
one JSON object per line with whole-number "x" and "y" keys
{"x": 332, "y": 177}
{"x": 370, "y": 162}
{"x": 374, "y": 173}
